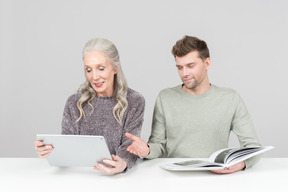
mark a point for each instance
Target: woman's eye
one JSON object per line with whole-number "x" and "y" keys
{"x": 101, "y": 68}
{"x": 88, "y": 70}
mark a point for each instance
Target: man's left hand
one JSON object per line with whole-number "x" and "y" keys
{"x": 237, "y": 167}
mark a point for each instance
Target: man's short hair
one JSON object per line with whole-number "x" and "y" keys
{"x": 188, "y": 44}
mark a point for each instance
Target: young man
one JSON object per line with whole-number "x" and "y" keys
{"x": 195, "y": 119}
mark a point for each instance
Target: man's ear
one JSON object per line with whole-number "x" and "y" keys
{"x": 207, "y": 63}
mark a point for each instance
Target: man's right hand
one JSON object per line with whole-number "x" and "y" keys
{"x": 43, "y": 150}
{"x": 138, "y": 147}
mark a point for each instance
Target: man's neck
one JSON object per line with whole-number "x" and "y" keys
{"x": 199, "y": 90}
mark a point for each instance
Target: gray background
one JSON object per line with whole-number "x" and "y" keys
{"x": 40, "y": 57}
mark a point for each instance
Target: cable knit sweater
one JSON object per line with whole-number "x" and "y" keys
{"x": 101, "y": 121}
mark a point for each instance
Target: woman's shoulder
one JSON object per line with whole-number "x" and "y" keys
{"x": 74, "y": 98}
{"x": 134, "y": 96}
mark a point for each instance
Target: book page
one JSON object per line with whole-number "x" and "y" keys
{"x": 222, "y": 157}
{"x": 230, "y": 156}
{"x": 197, "y": 163}
{"x": 219, "y": 156}
{"x": 191, "y": 165}
{"x": 246, "y": 153}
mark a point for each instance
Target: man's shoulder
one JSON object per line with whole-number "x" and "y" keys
{"x": 171, "y": 90}
{"x": 170, "y": 95}
{"x": 225, "y": 91}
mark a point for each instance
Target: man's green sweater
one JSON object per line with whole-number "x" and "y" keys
{"x": 195, "y": 126}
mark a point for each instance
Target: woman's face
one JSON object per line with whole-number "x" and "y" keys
{"x": 100, "y": 73}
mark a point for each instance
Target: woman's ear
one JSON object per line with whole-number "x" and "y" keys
{"x": 117, "y": 67}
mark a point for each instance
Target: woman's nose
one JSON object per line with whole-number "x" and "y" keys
{"x": 95, "y": 75}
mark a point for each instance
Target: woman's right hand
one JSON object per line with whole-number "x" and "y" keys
{"x": 42, "y": 150}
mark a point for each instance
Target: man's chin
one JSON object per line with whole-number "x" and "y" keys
{"x": 190, "y": 86}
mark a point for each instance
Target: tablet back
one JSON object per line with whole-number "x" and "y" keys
{"x": 75, "y": 150}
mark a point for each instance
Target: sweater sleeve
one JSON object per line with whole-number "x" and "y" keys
{"x": 69, "y": 125}
{"x": 157, "y": 140}
{"x": 243, "y": 127}
{"x": 133, "y": 125}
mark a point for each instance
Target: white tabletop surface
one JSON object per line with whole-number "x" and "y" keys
{"x": 35, "y": 174}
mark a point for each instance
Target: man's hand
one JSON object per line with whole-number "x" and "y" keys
{"x": 138, "y": 147}
{"x": 117, "y": 164}
{"x": 232, "y": 169}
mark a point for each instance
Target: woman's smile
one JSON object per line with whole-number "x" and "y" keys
{"x": 99, "y": 84}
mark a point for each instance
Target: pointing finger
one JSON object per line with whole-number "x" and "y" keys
{"x": 132, "y": 137}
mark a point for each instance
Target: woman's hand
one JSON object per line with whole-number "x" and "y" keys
{"x": 117, "y": 164}
{"x": 237, "y": 167}
{"x": 43, "y": 150}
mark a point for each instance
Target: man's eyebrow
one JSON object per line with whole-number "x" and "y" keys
{"x": 191, "y": 63}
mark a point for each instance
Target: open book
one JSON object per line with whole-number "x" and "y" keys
{"x": 218, "y": 160}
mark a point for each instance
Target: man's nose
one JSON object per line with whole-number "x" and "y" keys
{"x": 185, "y": 71}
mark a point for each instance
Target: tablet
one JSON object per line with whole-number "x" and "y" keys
{"x": 75, "y": 150}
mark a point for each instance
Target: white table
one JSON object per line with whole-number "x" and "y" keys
{"x": 35, "y": 174}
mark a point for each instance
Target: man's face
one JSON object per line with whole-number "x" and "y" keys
{"x": 192, "y": 69}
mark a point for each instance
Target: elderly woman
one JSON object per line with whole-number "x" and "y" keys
{"x": 104, "y": 105}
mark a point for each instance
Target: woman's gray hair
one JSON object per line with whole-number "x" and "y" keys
{"x": 120, "y": 85}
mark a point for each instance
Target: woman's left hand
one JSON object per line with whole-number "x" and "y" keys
{"x": 117, "y": 164}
